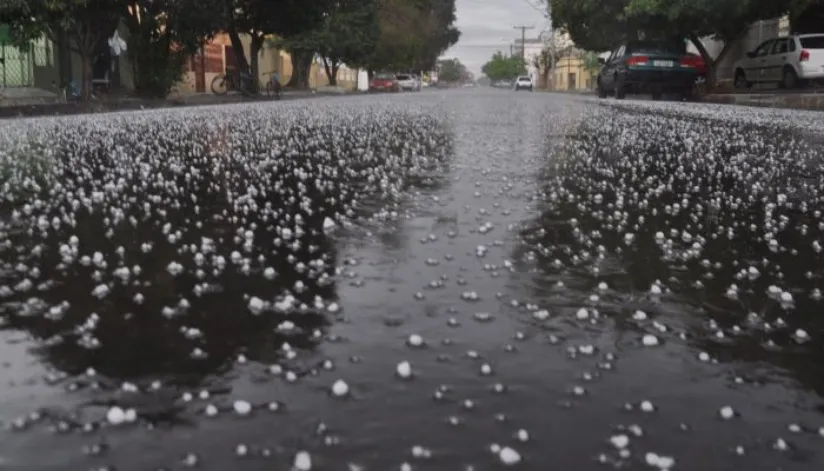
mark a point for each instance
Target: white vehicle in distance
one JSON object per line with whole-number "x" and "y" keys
{"x": 790, "y": 61}
{"x": 523, "y": 82}
{"x": 409, "y": 83}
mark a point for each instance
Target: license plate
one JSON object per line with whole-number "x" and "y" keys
{"x": 663, "y": 63}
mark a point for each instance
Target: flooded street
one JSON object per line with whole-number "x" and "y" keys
{"x": 448, "y": 280}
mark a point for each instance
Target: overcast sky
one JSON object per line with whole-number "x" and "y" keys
{"x": 487, "y": 26}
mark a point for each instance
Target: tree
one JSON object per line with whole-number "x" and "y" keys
{"x": 348, "y": 33}
{"x": 413, "y": 34}
{"x": 595, "y": 25}
{"x": 451, "y": 70}
{"x": 162, "y": 34}
{"x": 503, "y": 67}
{"x": 443, "y": 34}
{"x": 295, "y": 25}
{"x": 86, "y": 23}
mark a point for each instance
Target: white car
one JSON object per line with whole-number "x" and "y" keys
{"x": 523, "y": 83}
{"x": 789, "y": 61}
{"x": 409, "y": 82}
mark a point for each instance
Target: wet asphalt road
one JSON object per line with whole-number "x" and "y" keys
{"x": 584, "y": 284}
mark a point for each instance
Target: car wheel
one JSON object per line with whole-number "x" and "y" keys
{"x": 688, "y": 94}
{"x": 789, "y": 79}
{"x": 620, "y": 90}
{"x": 741, "y": 82}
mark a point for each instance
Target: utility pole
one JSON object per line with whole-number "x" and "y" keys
{"x": 523, "y": 39}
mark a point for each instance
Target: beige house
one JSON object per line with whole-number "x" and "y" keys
{"x": 570, "y": 73}
{"x": 217, "y": 56}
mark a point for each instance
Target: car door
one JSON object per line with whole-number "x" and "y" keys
{"x": 604, "y": 75}
{"x": 776, "y": 59}
{"x": 611, "y": 67}
{"x": 757, "y": 63}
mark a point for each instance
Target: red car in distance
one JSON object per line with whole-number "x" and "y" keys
{"x": 384, "y": 82}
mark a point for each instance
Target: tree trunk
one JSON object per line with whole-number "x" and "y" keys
{"x": 254, "y": 53}
{"x": 711, "y": 62}
{"x": 237, "y": 49}
{"x": 330, "y": 66}
{"x": 86, "y": 74}
{"x": 301, "y": 67}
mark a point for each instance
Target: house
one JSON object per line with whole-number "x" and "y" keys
{"x": 530, "y": 49}
{"x": 569, "y": 68}
{"x": 217, "y": 56}
{"x": 33, "y": 67}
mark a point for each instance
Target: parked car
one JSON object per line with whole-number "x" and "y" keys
{"x": 523, "y": 82}
{"x": 789, "y": 61}
{"x": 408, "y": 82}
{"x": 649, "y": 66}
{"x": 384, "y": 82}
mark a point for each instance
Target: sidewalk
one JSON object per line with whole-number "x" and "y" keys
{"x": 50, "y": 106}
{"x": 812, "y": 100}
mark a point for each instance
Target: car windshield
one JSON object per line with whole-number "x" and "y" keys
{"x": 812, "y": 42}
{"x": 523, "y": 79}
{"x": 403, "y": 77}
{"x": 384, "y": 77}
{"x": 665, "y": 46}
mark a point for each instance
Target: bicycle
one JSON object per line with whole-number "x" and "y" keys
{"x": 226, "y": 82}
{"x": 273, "y": 86}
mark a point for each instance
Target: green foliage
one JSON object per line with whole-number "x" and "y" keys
{"x": 597, "y": 25}
{"x": 451, "y": 70}
{"x": 413, "y": 34}
{"x": 503, "y": 67}
{"x": 162, "y": 34}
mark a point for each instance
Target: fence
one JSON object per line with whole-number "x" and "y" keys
{"x": 17, "y": 66}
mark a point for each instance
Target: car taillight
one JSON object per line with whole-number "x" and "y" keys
{"x": 805, "y": 56}
{"x": 692, "y": 61}
{"x": 637, "y": 60}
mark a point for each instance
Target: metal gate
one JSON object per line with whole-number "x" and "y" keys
{"x": 16, "y": 66}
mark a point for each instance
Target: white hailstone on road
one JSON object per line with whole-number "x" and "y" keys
{"x": 116, "y": 416}
{"x": 522, "y": 435}
{"x": 781, "y": 445}
{"x": 704, "y": 356}
{"x": 541, "y": 315}
{"x": 619, "y": 441}
{"x": 415, "y": 340}
{"x": 647, "y": 406}
{"x": 256, "y": 305}
{"x": 302, "y": 461}
{"x": 801, "y": 335}
{"x": 404, "y": 369}
{"x": 242, "y": 407}
{"x": 508, "y": 456}
{"x": 655, "y": 289}
{"x": 639, "y": 315}
{"x": 340, "y": 388}
{"x": 663, "y": 463}
{"x": 726, "y": 413}
{"x": 210, "y": 410}
{"x": 328, "y": 224}
{"x": 241, "y": 450}
{"x": 602, "y": 286}
{"x": 486, "y": 370}
{"x": 582, "y": 314}
{"x": 269, "y": 273}
{"x": 649, "y": 340}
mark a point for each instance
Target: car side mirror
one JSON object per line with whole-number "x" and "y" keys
{"x": 750, "y": 54}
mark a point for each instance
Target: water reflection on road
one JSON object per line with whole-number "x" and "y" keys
{"x": 569, "y": 267}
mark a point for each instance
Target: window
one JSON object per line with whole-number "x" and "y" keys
{"x": 812, "y": 42}
{"x": 764, "y": 48}
{"x": 666, "y": 46}
{"x": 781, "y": 46}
